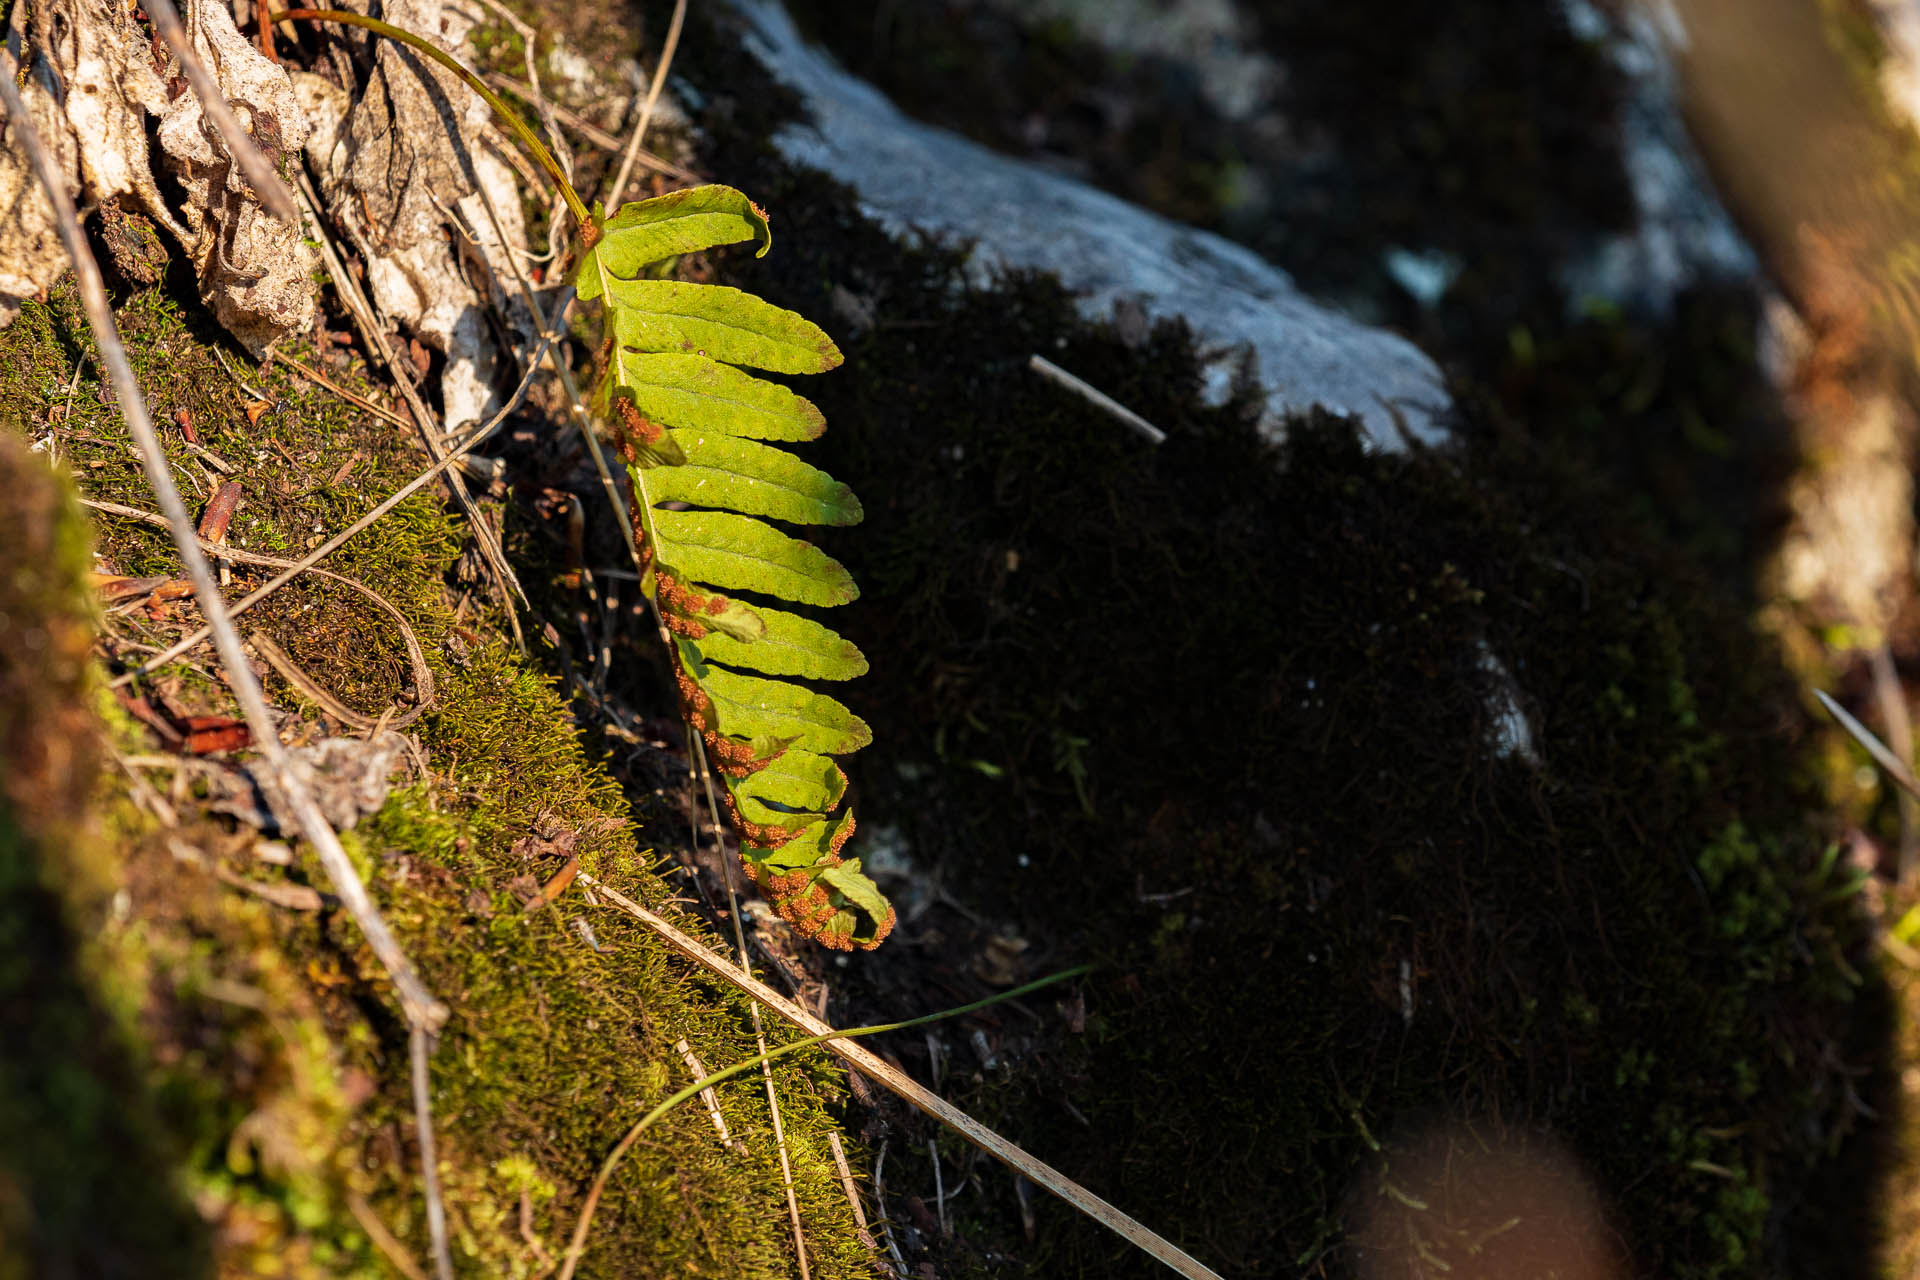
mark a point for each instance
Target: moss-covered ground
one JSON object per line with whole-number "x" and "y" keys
{"x": 237, "y": 1068}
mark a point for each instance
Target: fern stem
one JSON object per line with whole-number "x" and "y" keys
{"x": 579, "y": 1242}
{"x": 472, "y": 81}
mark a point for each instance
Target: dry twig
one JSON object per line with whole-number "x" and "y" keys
{"x": 1094, "y": 396}
{"x": 653, "y": 97}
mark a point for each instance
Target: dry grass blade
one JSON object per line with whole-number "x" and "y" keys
{"x": 423, "y": 1012}
{"x": 1897, "y": 769}
{"x": 352, "y": 399}
{"x": 240, "y": 145}
{"x": 877, "y": 1069}
{"x": 853, "y": 1192}
{"x": 592, "y": 132}
{"x": 646, "y": 112}
{"x": 383, "y": 1239}
{"x": 417, "y": 1052}
{"x": 311, "y": 689}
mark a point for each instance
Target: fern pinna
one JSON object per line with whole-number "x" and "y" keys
{"x": 703, "y": 486}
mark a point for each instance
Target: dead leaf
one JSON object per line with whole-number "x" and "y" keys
{"x": 349, "y": 777}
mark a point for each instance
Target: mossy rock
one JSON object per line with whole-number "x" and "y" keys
{"x": 1225, "y": 718}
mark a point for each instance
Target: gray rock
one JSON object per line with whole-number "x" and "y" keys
{"x": 1682, "y": 235}
{"x": 916, "y": 179}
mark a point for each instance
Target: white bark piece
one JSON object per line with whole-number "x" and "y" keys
{"x": 255, "y": 272}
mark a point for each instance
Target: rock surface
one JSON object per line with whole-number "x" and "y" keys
{"x": 915, "y": 178}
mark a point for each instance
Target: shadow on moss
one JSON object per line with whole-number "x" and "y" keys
{"x": 79, "y": 1129}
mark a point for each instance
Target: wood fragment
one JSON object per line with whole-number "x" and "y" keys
{"x": 853, "y": 1192}
{"x": 550, "y": 892}
{"x": 215, "y": 733}
{"x": 709, "y": 1096}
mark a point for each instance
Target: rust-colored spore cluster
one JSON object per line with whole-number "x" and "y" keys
{"x": 813, "y": 909}
{"x": 681, "y": 607}
{"x": 637, "y": 423}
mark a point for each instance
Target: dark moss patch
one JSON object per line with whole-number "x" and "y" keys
{"x": 1223, "y": 717}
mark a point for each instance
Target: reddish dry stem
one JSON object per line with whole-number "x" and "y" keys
{"x": 219, "y": 513}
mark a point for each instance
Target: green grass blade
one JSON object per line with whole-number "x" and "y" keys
{"x": 716, "y": 321}
{"x": 721, "y": 549}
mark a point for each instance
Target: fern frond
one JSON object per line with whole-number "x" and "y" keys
{"x": 704, "y": 484}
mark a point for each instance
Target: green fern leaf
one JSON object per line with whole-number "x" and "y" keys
{"x": 650, "y": 231}
{"x": 704, "y": 486}
{"x": 816, "y": 842}
{"x": 799, "y": 782}
{"x": 754, "y": 478}
{"x": 788, "y": 645}
{"x": 693, "y": 391}
{"x": 742, "y": 554}
{"x": 749, "y": 706}
{"x": 721, "y": 323}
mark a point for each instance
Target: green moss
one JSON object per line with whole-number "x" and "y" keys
{"x": 267, "y": 1039}
{"x": 79, "y": 1128}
